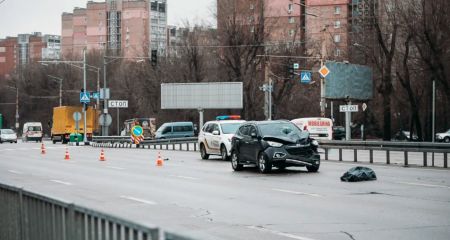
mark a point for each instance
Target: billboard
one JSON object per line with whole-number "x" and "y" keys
{"x": 210, "y": 95}
{"x": 348, "y": 81}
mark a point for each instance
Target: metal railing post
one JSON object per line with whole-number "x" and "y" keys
{"x": 445, "y": 160}
{"x": 355, "y": 155}
{"x": 371, "y": 155}
{"x": 406, "y": 158}
{"x": 326, "y": 153}
{"x": 425, "y": 160}
{"x": 340, "y": 154}
{"x": 388, "y": 157}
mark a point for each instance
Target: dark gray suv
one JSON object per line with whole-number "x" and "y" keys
{"x": 274, "y": 143}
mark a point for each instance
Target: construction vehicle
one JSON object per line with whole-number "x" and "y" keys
{"x": 64, "y": 124}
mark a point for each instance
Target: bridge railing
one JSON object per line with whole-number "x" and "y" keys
{"x": 28, "y": 216}
{"x": 184, "y": 144}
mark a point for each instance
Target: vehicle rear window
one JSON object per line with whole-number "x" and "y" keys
{"x": 34, "y": 128}
{"x": 278, "y": 129}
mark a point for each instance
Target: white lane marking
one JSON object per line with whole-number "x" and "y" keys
{"x": 138, "y": 200}
{"x": 185, "y": 177}
{"x": 297, "y": 193}
{"x": 117, "y": 168}
{"x": 288, "y": 235}
{"x": 423, "y": 184}
{"x": 61, "y": 182}
{"x": 15, "y": 172}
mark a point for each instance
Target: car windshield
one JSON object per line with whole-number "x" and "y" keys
{"x": 230, "y": 128}
{"x": 34, "y": 128}
{"x": 7, "y": 131}
{"x": 279, "y": 129}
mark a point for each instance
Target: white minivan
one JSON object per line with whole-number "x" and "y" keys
{"x": 32, "y": 131}
{"x": 318, "y": 128}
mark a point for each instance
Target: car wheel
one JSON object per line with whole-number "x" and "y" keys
{"x": 203, "y": 153}
{"x": 264, "y": 164}
{"x": 313, "y": 168}
{"x": 223, "y": 153}
{"x": 447, "y": 139}
{"x": 235, "y": 162}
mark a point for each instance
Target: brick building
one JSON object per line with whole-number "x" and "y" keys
{"x": 128, "y": 28}
{"x": 325, "y": 27}
{"x": 16, "y": 52}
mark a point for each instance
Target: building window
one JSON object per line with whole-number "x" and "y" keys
{"x": 291, "y": 32}
{"x": 337, "y": 52}
{"x": 337, "y": 10}
{"x": 290, "y": 8}
{"x": 337, "y": 38}
{"x": 291, "y": 20}
{"x": 337, "y": 24}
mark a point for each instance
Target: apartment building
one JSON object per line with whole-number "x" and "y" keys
{"x": 16, "y": 52}
{"x": 129, "y": 28}
{"x": 324, "y": 27}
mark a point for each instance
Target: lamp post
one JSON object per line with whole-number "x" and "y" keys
{"x": 60, "y": 88}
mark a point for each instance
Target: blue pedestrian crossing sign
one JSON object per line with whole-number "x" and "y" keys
{"x": 85, "y": 97}
{"x": 95, "y": 95}
{"x": 305, "y": 77}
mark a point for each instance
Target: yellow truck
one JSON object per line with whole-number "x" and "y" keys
{"x": 63, "y": 123}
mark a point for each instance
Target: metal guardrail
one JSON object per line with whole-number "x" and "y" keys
{"x": 388, "y": 147}
{"x": 29, "y": 216}
{"x": 182, "y": 144}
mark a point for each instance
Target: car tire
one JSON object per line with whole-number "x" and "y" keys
{"x": 263, "y": 163}
{"x": 312, "y": 168}
{"x": 224, "y": 153}
{"x": 447, "y": 139}
{"x": 235, "y": 162}
{"x": 203, "y": 153}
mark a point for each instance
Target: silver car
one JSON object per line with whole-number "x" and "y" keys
{"x": 8, "y": 135}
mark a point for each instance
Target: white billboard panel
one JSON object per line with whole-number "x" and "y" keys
{"x": 210, "y": 95}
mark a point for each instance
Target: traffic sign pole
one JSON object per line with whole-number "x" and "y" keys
{"x": 84, "y": 86}
{"x": 348, "y": 119}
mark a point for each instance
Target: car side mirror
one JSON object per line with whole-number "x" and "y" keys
{"x": 215, "y": 132}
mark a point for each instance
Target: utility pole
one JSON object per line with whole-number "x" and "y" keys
{"x": 17, "y": 108}
{"x": 105, "y": 103}
{"x": 267, "y": 88}
{"x": 84, "y": 104}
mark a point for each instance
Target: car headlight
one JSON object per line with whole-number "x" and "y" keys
{"x": 274, "y": 144}
{"x": 315, "y": 143}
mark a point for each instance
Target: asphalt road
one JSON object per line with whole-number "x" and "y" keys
{"x": 205, "y": 199}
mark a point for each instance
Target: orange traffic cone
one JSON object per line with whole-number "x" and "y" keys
{"x": 102, "y": 156}
{"x": 43, "y": 151}
{"x": 159, "y": 160}
{"x": 67, "y": 156}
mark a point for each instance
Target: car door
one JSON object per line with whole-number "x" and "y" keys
{"x": 238, "y": 143}
{"x": 245, "y": 144}
{"x": 215, "y": 139}
{"x": 253, "y": 145}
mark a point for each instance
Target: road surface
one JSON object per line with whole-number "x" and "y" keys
{"x": 205, "y": 199}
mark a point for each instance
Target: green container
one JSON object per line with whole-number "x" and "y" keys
{"x": 1, "y": 121}
{"x": 76, "y": 137}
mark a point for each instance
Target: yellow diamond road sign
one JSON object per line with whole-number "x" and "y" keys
{"x": 324, "y": 71}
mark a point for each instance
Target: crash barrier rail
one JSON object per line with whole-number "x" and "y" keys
{"x": 388, "y": 147}
{"x": 29, "y": 216}
{"x": 186, "y": 144}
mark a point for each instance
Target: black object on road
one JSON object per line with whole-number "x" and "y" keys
{"x": 358, "y": 174}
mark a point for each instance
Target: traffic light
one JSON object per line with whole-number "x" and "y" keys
{"x": 154, "y": 57}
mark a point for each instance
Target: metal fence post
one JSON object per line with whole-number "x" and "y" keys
{"x": 388, "y": 157}
{"x": 187, "y": 146}
{"x": 355, "y": 155}
{"x": 445, "y": 160}
{"x": 371, "y": 155}
{"x": 326, "y": 153}
{"x": 406, "y": 158}
{"x": 425, "y": 156}
{"x": 340, "y": 154}
{"x": 195, "y": 147}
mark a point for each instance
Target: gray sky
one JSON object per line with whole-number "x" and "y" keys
{"x": 26, "y": 16}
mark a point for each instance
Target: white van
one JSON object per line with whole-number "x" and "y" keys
{"x": 318, "y": 128}
{"x": 32, "y": 131}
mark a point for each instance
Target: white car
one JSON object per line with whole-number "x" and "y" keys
{"x": 215, "y": 138}
{"x": 8, "y": 135}
{"x": 443, "y": 137}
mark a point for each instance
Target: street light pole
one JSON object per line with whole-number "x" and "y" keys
{"x": 105, "y": 103}
{"x": 17, "y": 108}
{"x": 84, "y": 104}
{"x": 60, "y": 88}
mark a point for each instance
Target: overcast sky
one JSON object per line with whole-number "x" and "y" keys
{"x": 26, "y": 16}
